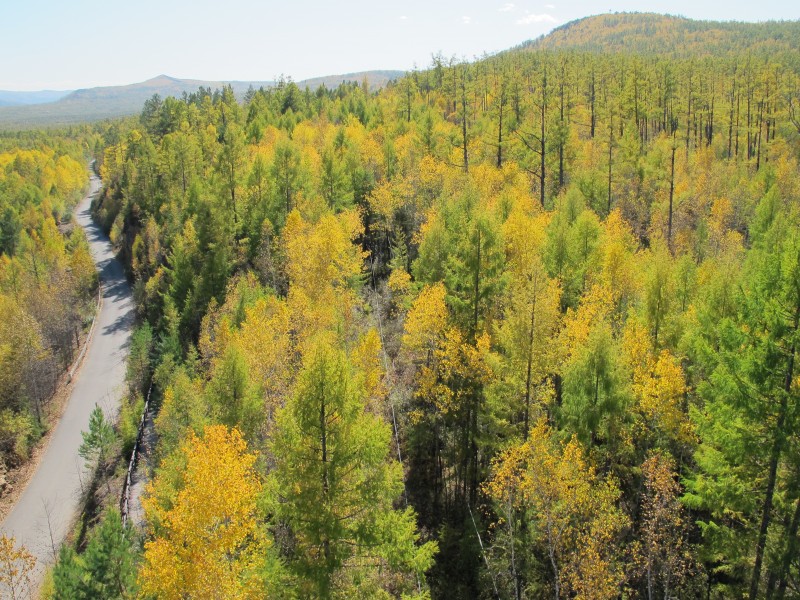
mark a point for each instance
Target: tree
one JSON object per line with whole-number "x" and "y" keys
{"x": 208, "y": 541}
{"x": 570, "y": 513}
{"x": 663, "y": 556}
{"x": 746, "y": 425}
{"x": 231, "y": 166}
{"x": 595, "y": 390}
{"x": 324, "y": 267}
{"x": 463, "y": 248}
{"x": 334, "y": 483}
{"x": 16, "y": 567}
{"x": 105, "y": 571}
{"x": 98, "y": 440}
{"x": 531, "y": 309}
{"x": 286, "y": 177}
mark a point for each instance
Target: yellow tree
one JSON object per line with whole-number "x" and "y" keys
{"x": 531, "y": 307}
{"x": 16, "y": 565}
{"x": 206, "y": 538}
{"x": 324, "y": 266}
{"x": 662, "y": 555}
{"x": 658, "y": 385}
{"x": 570, "y": 513}
{"x": 265, "y": 341}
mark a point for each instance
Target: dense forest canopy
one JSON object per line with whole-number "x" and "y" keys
{"x": 524, "y": 327}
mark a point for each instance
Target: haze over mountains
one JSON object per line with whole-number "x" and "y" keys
{"x": 93, "y": 104}
{"x": 13, "y": 98}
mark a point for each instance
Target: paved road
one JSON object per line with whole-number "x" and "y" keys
{"x": 47, "y": 508}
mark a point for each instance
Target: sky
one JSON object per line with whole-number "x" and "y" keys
{"x": 70, "y": 44}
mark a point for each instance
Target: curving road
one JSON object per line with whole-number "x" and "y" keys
{"x": 48, "y": 506}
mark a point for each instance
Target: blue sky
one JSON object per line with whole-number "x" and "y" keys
{"x": 67, "y": 44}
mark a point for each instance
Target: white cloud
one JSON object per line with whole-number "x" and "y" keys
{"x": 403, "y": 18}
{"x": 532, "y": 18}
{"x": 466, "y": 20}
{"x": 550, "y": 6}
{"x": 507, "y": 7}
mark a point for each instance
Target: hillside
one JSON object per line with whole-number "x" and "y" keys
{"x": 649, "y": 33}
{"x": 94, "y": 104}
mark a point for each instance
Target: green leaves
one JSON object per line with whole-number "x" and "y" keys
{"x": 97, "y": 441}
{"x": 107, "y": 568}
{"x": 335, "y": 483}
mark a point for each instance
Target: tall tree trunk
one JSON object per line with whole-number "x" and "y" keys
{"x": 671, "y": 196}
{"x": 610, "y": 149}
{"x": 790, "y": 553}
{"x": 500, "y": 126}
{"x": 528, "y": 383}
{"x": 543, "y": 116}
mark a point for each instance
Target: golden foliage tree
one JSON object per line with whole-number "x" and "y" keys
{"x": 16, "y": 566}
{"x": 207, "y": 541}
{"x": 570, "y": 512}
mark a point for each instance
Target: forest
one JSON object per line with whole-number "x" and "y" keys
{"x": 521, "y": 327}
{"x": 47, "y": 280}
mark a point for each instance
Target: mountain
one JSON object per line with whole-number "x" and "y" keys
{"x": 375, "y": 79}
{"x": 650, "y": 33}
{"x": 94, "y": 104}
{"x": 11, "y": 98}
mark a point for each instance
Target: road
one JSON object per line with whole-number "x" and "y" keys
{"x": 47, "y": 508}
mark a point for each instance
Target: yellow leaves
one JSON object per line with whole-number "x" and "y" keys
{"x": 658, "y": 384}
{"x": 387, "y": 198}
{"x": 442, "y": 352}
{"x": 16, "y": 566}
{"x": 45, "y": 169}
{"x": 366, "y": 359}
{"x": 365, "y": 144}
{"x": 722, "y": 239}
{"x": 209, "y": 542}
{"x": 595, "y": 306}
{"x": 571, "y": 511}
{"x": 426, "y": 321}
{"x": 323, "y": 265}
{"x": 265, "y": 341}
{"x": 488, "y": 180}
{"x": 21, "y": 345}
{"x": 383, "y": 201}
{"x": 617, "y": 266}
{"x": 525, "y": 237}
{"x": 429, "y": 174}
{"x": 399, "y": 282}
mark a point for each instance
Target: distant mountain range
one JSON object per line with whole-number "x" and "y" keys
{"x": 8, "y": 98}
{"x": 32, "y": 109}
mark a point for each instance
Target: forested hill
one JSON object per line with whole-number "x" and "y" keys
{"x": 649, "y": 33}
